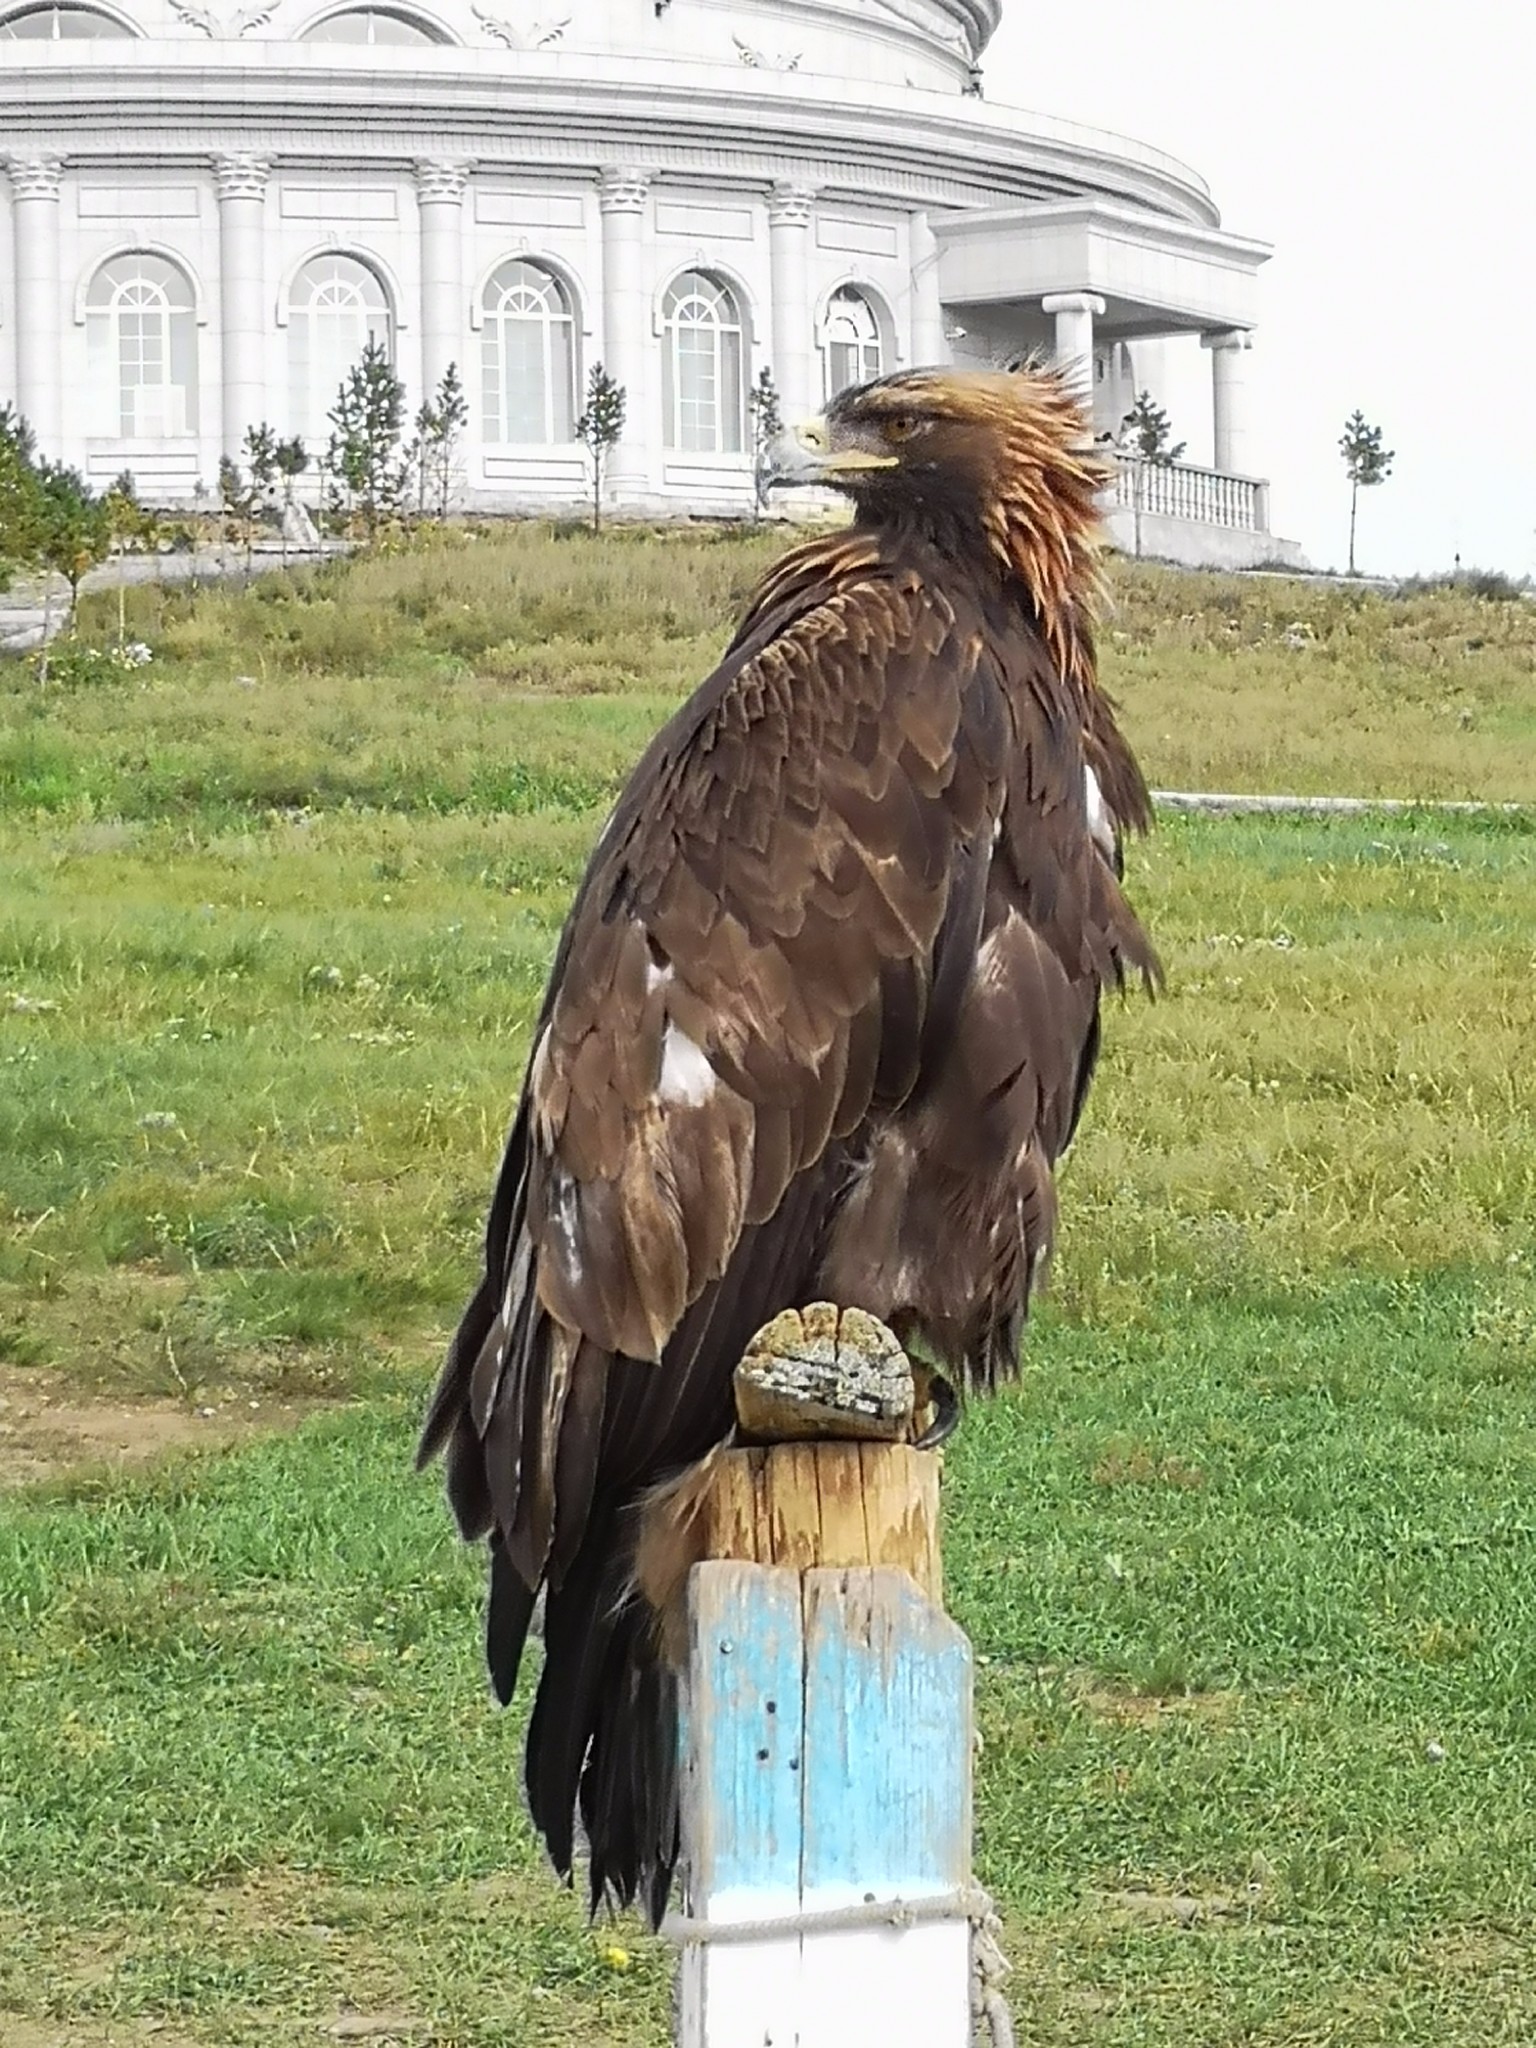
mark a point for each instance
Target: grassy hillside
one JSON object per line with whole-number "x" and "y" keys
{"x": 1248, "y": 1555}
{"x": 521, "y": 667}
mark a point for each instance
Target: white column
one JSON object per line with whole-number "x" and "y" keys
{"x": 789, "y": 251}
{"x": 1074, "y": 314}
{"x": 627, "y": 338}
{"x": 1229, "y": 399}
{"x": 928, "y": 342}
{"x": 440, "y": 184}
{"x": 35, "y": 181}
{"x": 244, "y": 316}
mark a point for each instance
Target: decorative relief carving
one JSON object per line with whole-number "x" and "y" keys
{"x": 766, "y": 60}
{"x": 442, "y": 178}
{"x": 241, "y": 174}
{"x": 930, "y": 21}
{"x": 789, "y": 206}
{"x": 536, "y": 36}
{"x": 36, "y": 177}
{"x": 622, "y": 189}
{"x": 223, "y": 28}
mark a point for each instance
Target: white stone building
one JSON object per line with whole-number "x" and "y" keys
{"x": 210, "y": 204}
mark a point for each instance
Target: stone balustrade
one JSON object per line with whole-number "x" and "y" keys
{"x": 1182, "y": 490}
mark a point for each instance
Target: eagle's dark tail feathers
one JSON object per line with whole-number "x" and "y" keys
{"x": 603, "y": 1737}
{"x": 508, "y": 1613}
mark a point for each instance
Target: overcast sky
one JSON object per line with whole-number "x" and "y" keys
{"x": 1389, "y": 154}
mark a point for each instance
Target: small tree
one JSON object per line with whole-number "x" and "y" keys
{"x": 767, "y": 421}
{"x": 73, "y": 535}
{"x": 260, "y": 451}
{"x": 238, "y": 500}
{"x": 1146, "y": 437}
{"x": 599, "y": 429}
{"x": 433, "y": 455}
{"x": 76, "y": 534}
{"x": 364, "y": 451}
{"x": 1147, "y": 431}
{"x": 21, "y": 500}
{"x": 129, "y": 525}
{"x": 290, "y": 459}
{"x": 1366, "y": 463}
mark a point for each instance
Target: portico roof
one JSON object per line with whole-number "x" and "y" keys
{"x": 1156, "y": 275}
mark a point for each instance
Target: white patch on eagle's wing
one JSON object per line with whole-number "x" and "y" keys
{"x": 1100, "y": 823}
{"x": 657, "y": 976}
{"x": 538, "y": 1089}
{"x": 538, "y": 1070}
{"x": 992, "y": 963}
{"x": 686, "y": 1075}
{"x": 565, "y": 1215}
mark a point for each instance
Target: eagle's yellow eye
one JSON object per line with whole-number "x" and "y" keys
{"x": 901, "y": 427}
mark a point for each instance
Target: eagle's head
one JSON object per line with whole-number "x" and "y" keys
{"x": 994, "y": 466}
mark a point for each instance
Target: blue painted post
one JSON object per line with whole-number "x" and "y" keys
{"x": 743, "y": 1751}
{"x": 886, "y": 1808}
{"x": 826, "y": 1770}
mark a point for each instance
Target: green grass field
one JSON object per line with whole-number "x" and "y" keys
{"x": 1249, "y": 1556}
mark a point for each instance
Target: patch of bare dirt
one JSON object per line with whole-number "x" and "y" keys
{"x": 1173, "y": 1909}
{"x": 1110, "y": 1702}
{"x": 384, "y": 2028}
{"x": 47, "y": 1428}
{"x": 16, "y": 2032}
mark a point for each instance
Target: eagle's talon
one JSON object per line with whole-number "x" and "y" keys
{"x": 945, "y": 1404}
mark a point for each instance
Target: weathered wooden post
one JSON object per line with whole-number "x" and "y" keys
{"x": 828, "y": 1739}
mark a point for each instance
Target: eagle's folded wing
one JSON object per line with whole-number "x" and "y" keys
{"x": 750, "y": 965}
{"x": 751, "y": 958}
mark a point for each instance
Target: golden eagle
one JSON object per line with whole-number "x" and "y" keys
{"x": 821, "y": 1020}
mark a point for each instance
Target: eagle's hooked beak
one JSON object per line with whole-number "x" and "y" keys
{"x": 804, "y": 454}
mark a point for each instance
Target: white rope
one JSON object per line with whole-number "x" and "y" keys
{"x": 966, "y": 1904}
{"x": 989, "y": 1966}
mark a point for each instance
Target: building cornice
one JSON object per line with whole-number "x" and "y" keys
{"x": 545, "y": 107}
{"x": 1212, "y": 245}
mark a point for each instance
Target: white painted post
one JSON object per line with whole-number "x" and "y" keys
{"x": 826, "y": 1770}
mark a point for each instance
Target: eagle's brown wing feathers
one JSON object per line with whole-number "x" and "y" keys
{"x": 749, "y": 968}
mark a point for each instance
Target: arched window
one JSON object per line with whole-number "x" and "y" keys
{"x": 703, "y": 366}
{"x": 141, "y": 334}
{"x": 528, "y": 356}
{"x": 372, "y": 25}
{"x": 335, "y": 308}
{"x": 59, "y": 24}
{"x": 854, "y": 349}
